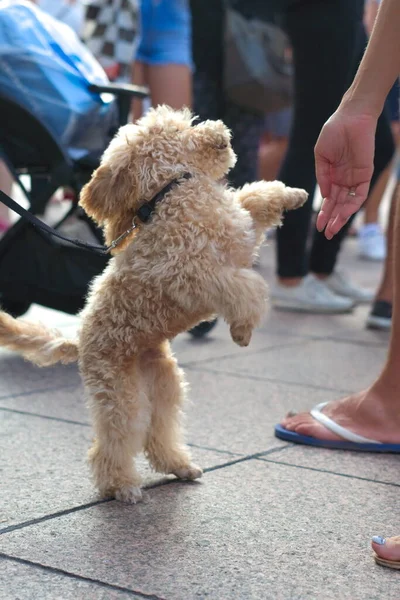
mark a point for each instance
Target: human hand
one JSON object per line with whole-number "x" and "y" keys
{"x": 344, "y": 157}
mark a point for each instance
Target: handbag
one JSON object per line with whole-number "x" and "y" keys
{"x": 258, "y": 71}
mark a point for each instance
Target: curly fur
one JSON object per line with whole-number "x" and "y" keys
{"x": 192, "y": 260}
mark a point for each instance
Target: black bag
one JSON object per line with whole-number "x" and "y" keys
{"x": 258, "y": 72}
{"x": 36, "y": 268}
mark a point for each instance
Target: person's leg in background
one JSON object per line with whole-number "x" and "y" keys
{"x": 246, "y": 130}
{"x": 274, "y": 144}
{"x": 320, "y": 81}
{"x": 380, "y": 316}
{"x": 372, "y": 244}
{"x": 163, "y": 60}
{"x": 371, "y": 238}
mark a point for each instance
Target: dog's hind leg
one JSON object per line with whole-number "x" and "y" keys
{"x": 121, "y": 417}
{"x": 165, "y": 447}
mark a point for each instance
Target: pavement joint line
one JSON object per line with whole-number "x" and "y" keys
{"x": 218, "y": 450}
{"x": 49, "y": 517}
{"x": 327, "y": 338}
{"x": 86, "y": 424}
{"x": 347, "y": 475}
{"x": 40, "y": 416}
{"x": 256, "y": 455}
{"x": 244, "y": 375}
{"x": 162, "y": 483}
{"x": 237, "y": 355}
{"x": 382, "y": 345}
{"x": 70, "y": 575}
{"x": 37, "y": 391}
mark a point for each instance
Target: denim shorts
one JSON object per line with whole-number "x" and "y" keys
{"x": 165, "y": 33}
{"x": 279, "y": 123}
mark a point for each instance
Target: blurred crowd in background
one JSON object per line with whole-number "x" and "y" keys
{"x": 195, "y": 53}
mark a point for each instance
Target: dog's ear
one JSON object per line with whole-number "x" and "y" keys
{"x": 95, "y": 195}
{"x": 109, "y": 194}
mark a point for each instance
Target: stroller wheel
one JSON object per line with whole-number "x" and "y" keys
{"x": 15, "y": 308}
{"x": 203, "y": 328}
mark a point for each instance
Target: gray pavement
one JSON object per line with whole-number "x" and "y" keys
{"x": 269, "y": 520}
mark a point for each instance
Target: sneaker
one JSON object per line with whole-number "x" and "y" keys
{"x": 312, "y": 296}
{"x": 372, "y": 242}
{"x": 380, "y": 316}
{"x": 340, "y": 285}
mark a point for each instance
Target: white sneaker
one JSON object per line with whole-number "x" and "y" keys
{"x": 340, "y": 285}
{"x": 312, "y": 296}
{"x": 372, "y": 242}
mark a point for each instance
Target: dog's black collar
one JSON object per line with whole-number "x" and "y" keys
{"x": 146, "y": 210}
{"x": 144, "y": 213}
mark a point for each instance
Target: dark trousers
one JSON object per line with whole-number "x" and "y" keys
{"x": 328, "y": 42}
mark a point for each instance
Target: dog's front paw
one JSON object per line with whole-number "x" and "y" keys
{"x": 241, "y": 334}
{"x": 294, "y": 198}
{"x": 190, "y": 472}
{"x": 129, "y": 494}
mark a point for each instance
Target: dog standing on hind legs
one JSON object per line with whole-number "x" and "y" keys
{"x": 188, "y": 258}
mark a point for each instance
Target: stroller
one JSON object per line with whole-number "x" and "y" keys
{"x": 55, "y": 123}
{"x": 35, "y": 266}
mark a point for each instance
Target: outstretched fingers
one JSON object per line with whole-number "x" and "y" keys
{"x": 339, "y": 206}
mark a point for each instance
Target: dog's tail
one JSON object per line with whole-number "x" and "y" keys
{"x": 35, "y": 342}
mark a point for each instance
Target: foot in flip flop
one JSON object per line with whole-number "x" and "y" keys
{"x": 386, "y": 551}
{"x": 368, "y": 421}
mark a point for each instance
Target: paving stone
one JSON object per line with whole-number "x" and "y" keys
{"x": 329, "y": 364}
{"x": 43, "y": 467}
{"x": 375, "y": 467}
{"x": 254, "y": 530}
{"x": 18, "y": 377}
{"x": 349, "y": 327}
{"x": 224, "y": 412}
{"x": 24, "y": 582}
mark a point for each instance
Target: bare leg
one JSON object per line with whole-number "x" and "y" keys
{"x": 375, "y": 412}
{"x": 170, "y": 84}
{"x": 385, "y": 290}
{"x": 271, "y": 154}
{"x": 371, "y": 213}
{"x": 139, "y": 77}
{"x": 121, "y": 416}
{"x": 164, "y": 446}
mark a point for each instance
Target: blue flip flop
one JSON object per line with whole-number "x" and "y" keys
{"x": 351, "y": 441}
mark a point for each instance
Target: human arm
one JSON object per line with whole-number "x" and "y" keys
{"x": 345, "y": 149}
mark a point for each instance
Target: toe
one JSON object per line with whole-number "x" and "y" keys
{"x": 388, "y": 549}
{"x": 304, "y": 424}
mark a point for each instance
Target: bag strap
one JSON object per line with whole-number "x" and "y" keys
{"x": 28, "y": 216}
{"x": 143, "y": 214}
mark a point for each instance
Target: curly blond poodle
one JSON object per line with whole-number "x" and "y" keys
{"x": 190, "y": 261}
